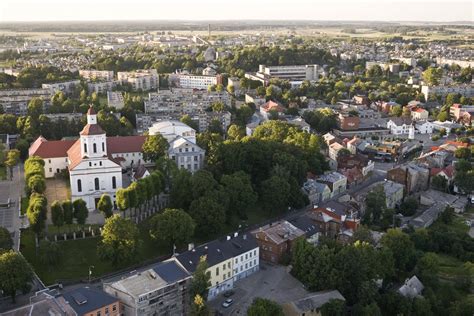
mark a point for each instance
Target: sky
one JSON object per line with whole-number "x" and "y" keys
{"x": 327, "y": 10}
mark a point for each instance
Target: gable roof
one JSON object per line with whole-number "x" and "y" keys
{"x": 270, "y": 105}
{"x": 314, "y": 301}
{"x": 50, "y": 149}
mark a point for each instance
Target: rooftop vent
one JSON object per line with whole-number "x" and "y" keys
{"x": 79, "y": 298}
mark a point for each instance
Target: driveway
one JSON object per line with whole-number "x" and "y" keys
{"x": 56, "y": 190}
{"x": 272, "y": 282}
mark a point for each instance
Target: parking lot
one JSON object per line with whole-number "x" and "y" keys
{"x": 272, "y": 281}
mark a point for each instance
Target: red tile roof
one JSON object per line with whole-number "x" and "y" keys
{"x": 92, "y": 129}
{"x": 125, "y": 144}
{"x": 449, "y": 171}
{"x": 50, "y": 149}
{"x": 270, "y": 105}
{"x": 91, "y": 111}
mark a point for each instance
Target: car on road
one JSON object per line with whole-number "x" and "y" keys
{"x": 229, "y": 293}
{"x": 227, "y": 302}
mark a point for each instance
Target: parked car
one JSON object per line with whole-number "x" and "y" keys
{"x": 229, "y": 293}
{"x": 227, "y": 302}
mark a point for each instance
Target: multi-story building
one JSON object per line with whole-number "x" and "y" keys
{"x": 187, "y": 81}
{"x": 101, "y": 87}
{"x": 466, "y": 90}
{"x": 144, "y": 79}
{"x": 419, "y": 114}
{"x": 400, "y": 125}
{"x": 182, "y": 140}
{"x": 67, "y": 87}
{"x": 87, "y": 301}
{"x": 347, "y": 122}
{"x": 92, "y": 74}
{"x": 412, "y": 176}
{"x": 293, "y": 73}
{"x": 228, "y": 259}
{"x": 462, "y": 113}
{"x": 162, "y": 289}
{"x": 276, "y": 240}
{"x": 115, "y": 100}
{"x": 336, "y": 182}
{"x": 16, "y": 101}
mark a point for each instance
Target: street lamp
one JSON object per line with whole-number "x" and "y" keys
{"x": 90, "y": 272}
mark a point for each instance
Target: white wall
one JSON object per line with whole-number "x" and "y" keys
{"x": 52, "y": 166}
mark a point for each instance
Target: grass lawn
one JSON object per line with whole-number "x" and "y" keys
{"x": 451, "y": 268}
{"x": 3, "y": 173}
{"x": 78, "y": 255}
{"x": 69, "y": 228}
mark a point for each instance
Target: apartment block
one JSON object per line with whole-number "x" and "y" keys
{"x": 93, "y": 74}
{"x": 67, "y": 87}
{"x": 16, "y": 101}
{"x": 144, "y": 79}
{"x": 188, "y": 81}
{"x": 115, "y": 100}
{"x": 160, "y": 290}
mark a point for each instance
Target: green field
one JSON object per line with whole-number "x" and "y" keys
{"x": 79, "y": 254}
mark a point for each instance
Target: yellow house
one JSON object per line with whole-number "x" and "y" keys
{"x": 220, "y": 256}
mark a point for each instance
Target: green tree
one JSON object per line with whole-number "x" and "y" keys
{"x": 35, "y": 107}
{"x": 274, "y": 194}
{"x": 235, "y": 132}
{"x": 6, "y": 242}
{"x": 462, "y": 153}
{"x": 120, "y": 240}
{"x": 409, "y": 206}
{"x": 264, "y": 307}
{"x": 68, "y": 211}
{"x": 439, "y": 182}
{"x": 199, "y": 307}
{"x": 12, "y": 159}
{"x": 375, "y": 205}
{"x": 217, "y": 107}
{"x": 181, "y": 189}
{"x": 154, "y": 147}
{"x": 432, "y": 76}
{"x": 123, "y": 202}
{"x": 15, "y": 274}
{"x": 186, "y": 119}
{"x": 173, "y": 227}
{"x": 396, "y": 110}
{"x": 208, "y": 215}
{"x": 80, "y": 211}
{"x": 201, "y": 280}
{"x": 334, "y": 307}
{"x": 402, "y": 248}
{"x": 36, "y": 183}
{"x": 37, "y": 212}
{"x": 57, "y": 214}
{"x": 238, "y": 188}
{"x": 105, "y": 205}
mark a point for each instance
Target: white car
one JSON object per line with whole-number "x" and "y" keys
{"x": 227, "y": 302}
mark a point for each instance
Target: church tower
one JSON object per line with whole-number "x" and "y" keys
{"x": 93, "y": 138}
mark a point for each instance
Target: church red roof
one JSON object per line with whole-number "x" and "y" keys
{"x": 92, "y": 129}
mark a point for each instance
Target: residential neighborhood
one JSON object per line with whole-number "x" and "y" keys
{"x": 208, "y": 164}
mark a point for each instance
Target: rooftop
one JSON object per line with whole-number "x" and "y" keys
{"x": 280, "y": 232}
{"x": 314, "y": 301}
{"x": 84, "y": 300}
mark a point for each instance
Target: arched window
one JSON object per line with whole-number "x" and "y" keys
{"x": 114, "y": 183}
{"x": 95, "y": 148}
{"x": 85, "y": 147}
{"x": 79, "y": 185}
{"x": 96, "y": 183}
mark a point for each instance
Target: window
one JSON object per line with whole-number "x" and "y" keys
{"x": 106, "y": 310}
{"x": 217, "y": 271}
{"x": 85, "y": 148}
{"x": 114, "y": 182}
{"x": 100, "y": 163}
{"x": 98, "y": 313}
{"x": 96, "y": 183}
{"x": 195, "y": 158}
{"x": 50, "y": 169}
{"x": 114, "y": 308}
{"x": 103, "y": 146}
{"x": 79, "y": 185}
{"x": 228, "y": 265}
{"x": 94, "y": 148}
{"x": 90, "y": 164}
{"x": 49, "y": 160}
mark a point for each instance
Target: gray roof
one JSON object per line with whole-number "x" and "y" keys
{"x": 314, "y": 301}
{"x": 84, "y": 300}
{"x": 412, "y": 287}
{"x": 429, "y": 216}
{"x": 217, "y": 251}
{"x": 170, "y": 271}
{"x": 306, "y": 224}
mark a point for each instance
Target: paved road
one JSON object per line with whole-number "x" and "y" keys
{"x": 12, "y": 191}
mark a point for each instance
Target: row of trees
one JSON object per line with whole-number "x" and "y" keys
{"x": 64, "y": 213}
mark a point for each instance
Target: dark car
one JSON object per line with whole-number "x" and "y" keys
{"x": 229, "y": 293}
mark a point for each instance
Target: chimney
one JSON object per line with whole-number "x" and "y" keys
{"x": 228, "y": 238}
{"x": 236, "y": 234}
{"x": 190, "y": 246}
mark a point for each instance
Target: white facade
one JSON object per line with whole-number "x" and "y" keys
{"x": 419, "y": 114}
{"x": 397, "y": 128}
{"x": 93, "y": 74}
{"x": 246, "y": 264}
{"x": 172, "y": 129}
{"x": 186, "y": 155}
{"x": 424, "y": 127}
{"x": 193, "y": 81}
{"x": 101, "y": 87}
{"x": 92, "y": 173}
{"x": 465, "y": 90}
{"x": 66, "y": 87}
{"x": 53, "y": 166}
{"x": 144, "y": 80}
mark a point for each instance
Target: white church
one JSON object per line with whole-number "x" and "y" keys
{"x": 95, "y": 161}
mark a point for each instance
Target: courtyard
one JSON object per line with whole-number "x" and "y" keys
{"x": 271, "y": 282}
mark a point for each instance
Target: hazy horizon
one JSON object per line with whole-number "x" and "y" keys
{"x": 212, "y": 10}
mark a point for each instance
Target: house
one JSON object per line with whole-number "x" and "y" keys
{"x": 95, "y": 162}
{"x": 276, "y": 240}
{"x": 447, "y": 173}
{"x": 140, "y": 173}
{"x": 412, "y": 176}
{"x": 363, "y": 164}
{"x": 348, "y": 122}
{"x": 399, "y": 125}
{"x": 457, "y": 202}
{"x": 317, "y": 192}
{"x": 334, "y": 149}
{"x": 329, "y": 138}
{"x": 411, "y": 288}
{"x": 311, "y": 304}
{"x": 393, "y": 193}
{"x": 44, "y": 302}
{"x": 331, "y": 223}
{"x": 462, "y": 113}
{"x": 307, "y": 225}
{"x": 271, "y": 107}
{"x": 229, "y": 259}
{"x": 336, "y": 182}
{"x": 419, "y": 114}
{"x": 162, "y": 289}
{"x": 88, "y": 301}
{"x": 424, "y": 127}
{"x": 183, "y": 149}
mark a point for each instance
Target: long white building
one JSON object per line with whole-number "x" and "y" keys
{"x": 92, "y": 74}
{"x": 144, "y": 79}
{"x": 187, "y": 81}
